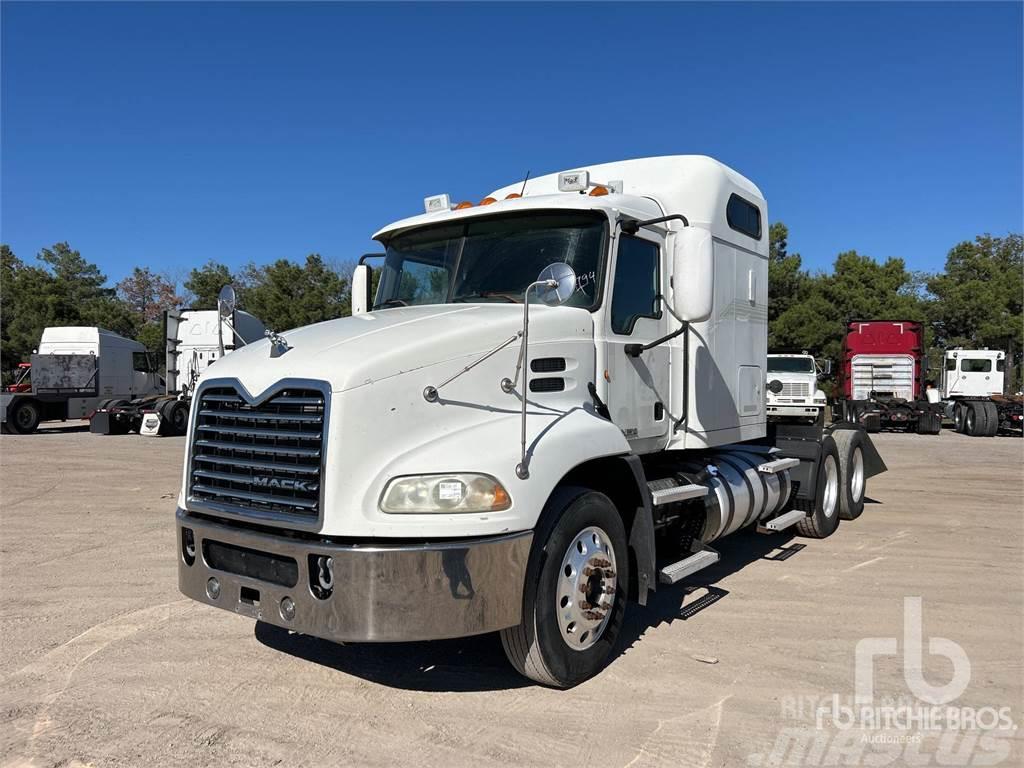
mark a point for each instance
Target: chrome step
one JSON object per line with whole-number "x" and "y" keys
{"x": 782, "y": 522}
{"x": 771, "y": 467}
{"x": 676, "y": 572}
{"x": 677, "y": 493}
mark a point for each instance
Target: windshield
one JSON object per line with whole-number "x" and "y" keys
{"x": 492, "y": 259}
{"x": 790, "y": 365}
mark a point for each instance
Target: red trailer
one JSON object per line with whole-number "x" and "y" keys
{"x": 881, "y": 378}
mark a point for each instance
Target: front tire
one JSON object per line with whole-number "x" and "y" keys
{"x": 823, "y": 510}
{"x": 574, "y": 598}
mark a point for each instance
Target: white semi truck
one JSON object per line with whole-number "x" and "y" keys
{"x": 73, "y": 371}
{"x": 195, "y": 340}
{"x": 553, "y": 404}
{"x": 792, "y": 390}
{"x": 972, "y": 390}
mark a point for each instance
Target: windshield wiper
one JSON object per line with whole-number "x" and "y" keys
{"x": 392, "y": 303}
{"x": 510, "y": 298}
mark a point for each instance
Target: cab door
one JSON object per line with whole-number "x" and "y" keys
{"x": 638, "y": 387}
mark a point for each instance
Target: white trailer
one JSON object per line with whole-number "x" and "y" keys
{"x": 74, "y": 369}
{"x": 554, "y": 404}
{"x": 971, "y": 389}
{"x": 792, "y": 390}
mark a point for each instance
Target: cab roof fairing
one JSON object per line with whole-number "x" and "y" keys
{"x": 611, "y": 205}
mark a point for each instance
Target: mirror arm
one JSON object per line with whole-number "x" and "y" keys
{"x": 635, "y": 350}
{"x": 631, "y": 226}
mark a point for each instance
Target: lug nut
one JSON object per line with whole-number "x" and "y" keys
{"x": 287, "y": 608}
{"x": 213, "y": 588}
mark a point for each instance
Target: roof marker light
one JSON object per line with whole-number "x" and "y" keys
{"x": 487, "y": 201}
{"x": 599, "y": 191}
{"x": 463, "y": 204}
{"x": 437, "y": 203}
{"x": 512, "y": 196}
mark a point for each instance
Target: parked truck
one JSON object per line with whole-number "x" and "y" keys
{"x": 792, "y": 391}
{"x": 973, "y": 393}
{"x": 73, "y": 370}
{"x": 553, "y": 404}
{"x": 195, "y": 339}
{"x": 882, "y": 378}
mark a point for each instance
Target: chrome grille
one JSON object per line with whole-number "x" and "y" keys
{"x": 795, "y": 389}
{"x": 259, "y": 460}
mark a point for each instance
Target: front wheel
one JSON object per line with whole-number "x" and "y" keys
{"x": 574, "y": 598}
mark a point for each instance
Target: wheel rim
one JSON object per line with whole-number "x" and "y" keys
{"x": 958, "y": 417}
{"x": 25, "y": 416}
{"x": 857, "y": 475}
{"x": 828, "y": 498}
{"x": 969, "y": 421}
{"x": 586, "y": 588}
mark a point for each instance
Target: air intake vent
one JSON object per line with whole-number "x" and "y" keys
{"x": 547, "y": 364}
{"x": 262, "y": 460}
{"x": 547, "y": 385}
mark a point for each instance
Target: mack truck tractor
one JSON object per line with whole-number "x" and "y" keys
{"x": 792, "y": 390}
{"x": 553, "y": 404}
{"x": 972, "y": 393}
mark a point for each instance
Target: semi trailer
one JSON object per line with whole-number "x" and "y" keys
{"x": 792, "y": 390}
{"x": 553, "y": 405}
{"x": 195, "y": 340}
{"x": 973, "y": 393}
{"x": 74, "y": 370}
{"x": 882, "y": 378}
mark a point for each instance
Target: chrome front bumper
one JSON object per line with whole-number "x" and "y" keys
{"x": 380, "y": 593}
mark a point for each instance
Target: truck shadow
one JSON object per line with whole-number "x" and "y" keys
{"x": 478, "y": 663}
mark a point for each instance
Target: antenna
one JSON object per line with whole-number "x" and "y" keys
{"x": 523, "y": 190}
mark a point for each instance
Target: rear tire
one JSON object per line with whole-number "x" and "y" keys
{"x": 971, "y": 420}
{"x": 539, "y": 646}
{"x": 959, "y": 417}
{"x": 852, "y": 478}
{"x": 24, "y": 418}
{"x": 992, "y": 413}
{"x": 176, "y": 414}
{"x": 823, "y": 511}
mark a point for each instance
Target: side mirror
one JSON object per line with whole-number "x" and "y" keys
{"x": 560, "y": 283}
{"x": 693, "y": 275}
{"x": 361, "y": 290}
{"x": 226, "y": 301}
{"x": 826, "y": 367}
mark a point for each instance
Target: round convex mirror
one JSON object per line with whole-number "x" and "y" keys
{"x": 564, "y": 279}
{"x": 226, "y": 301}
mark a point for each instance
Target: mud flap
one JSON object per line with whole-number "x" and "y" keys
{"x": 641, "y": 534}
{"x": 873, "y": 464}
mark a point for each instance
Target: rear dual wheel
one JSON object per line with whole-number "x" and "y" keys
{"x": 24, "y": 417}
{"x": 980, "y": 418}
{"x": 823, "y": 510}
{"x": 574, "y": 598}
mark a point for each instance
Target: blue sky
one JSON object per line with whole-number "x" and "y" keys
{"x": 166, "y": 135}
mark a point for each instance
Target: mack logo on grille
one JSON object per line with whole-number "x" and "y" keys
{"x": 285, "y": 484}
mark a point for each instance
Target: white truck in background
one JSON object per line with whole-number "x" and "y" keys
{"x": 972, "y": 386}
{"x": 74, "y": 369}
{"x": 792, "y": 388}
{"x": 195, "y": 340}
{"x": 553, "y": 405}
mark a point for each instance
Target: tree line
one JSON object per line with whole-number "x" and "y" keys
{"x": 976, "y": 301}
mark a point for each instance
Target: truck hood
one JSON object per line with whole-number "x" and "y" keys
{"x": 355, "y": 351}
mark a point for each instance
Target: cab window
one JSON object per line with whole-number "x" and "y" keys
{"x": 967, "y": 365}
{"x": 637, "y": 284}
{"x": 950, "y": 363}
{"x": 140, "y": 362}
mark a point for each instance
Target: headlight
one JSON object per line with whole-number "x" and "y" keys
{"x": 444, "y": 493}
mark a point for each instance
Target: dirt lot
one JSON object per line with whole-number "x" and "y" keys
{"x": 104, "y": 663}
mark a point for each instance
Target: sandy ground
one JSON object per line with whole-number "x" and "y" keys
{"x": 104, "y": 663}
